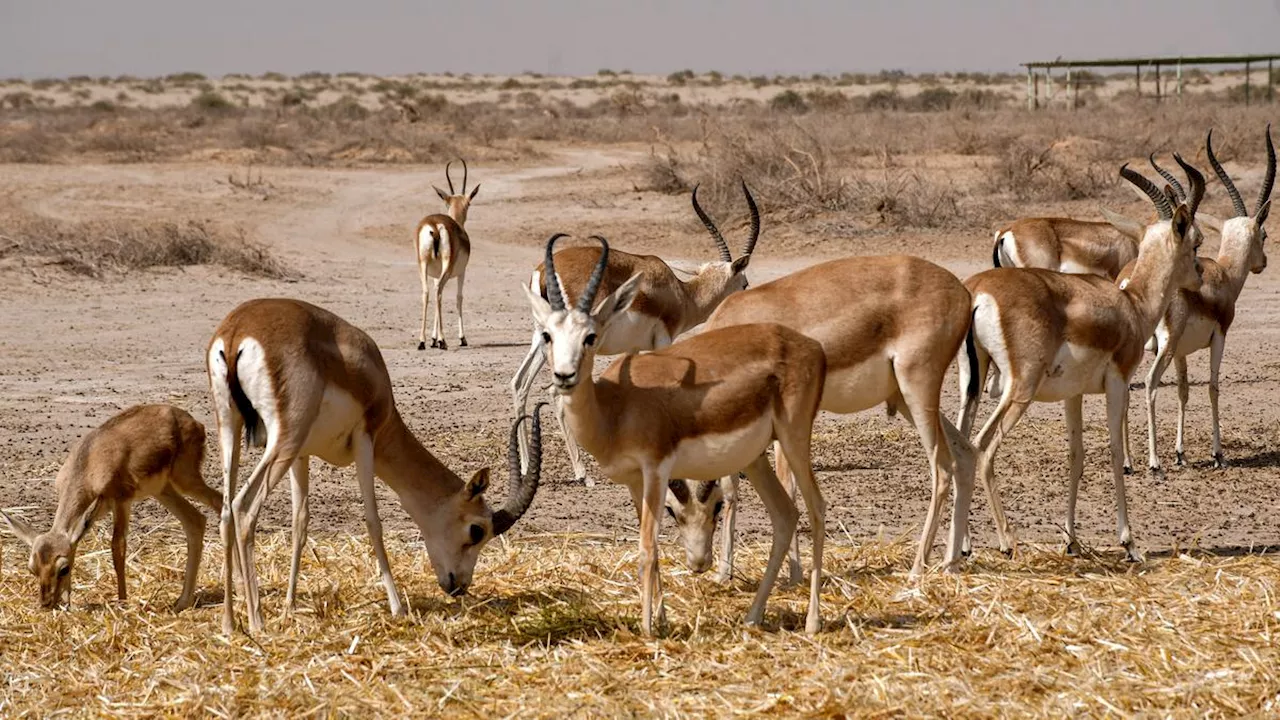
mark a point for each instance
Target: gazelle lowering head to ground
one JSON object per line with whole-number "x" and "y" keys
{"x": 145, "y": 451}
{"x": 443, "y": 251}
{"x": 889, "y": 327}
{"x": 664, "y": 307}
{"x": 702, "y": 408}
{"x": 1057, "y": 337}
{"x": 300, "y": 381}
{"x": 1199, "y": 319}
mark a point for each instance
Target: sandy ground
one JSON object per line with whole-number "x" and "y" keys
{"x": 75, "y": 351}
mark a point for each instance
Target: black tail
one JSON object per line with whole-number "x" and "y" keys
{"x": 995, "y": 252}
{"x": 255, "y": 434}
{"x": 971, "y": 349}
{"x": 435, "y": 243}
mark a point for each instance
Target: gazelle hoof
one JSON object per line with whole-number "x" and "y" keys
{"x": 462, "y": 342}
{"x": 1128, "y": 469}
{"x": 1181, "y": 460}
{"x": 443, "y": 346}
{"x": 1130, "y": 553}
{"x": 813, "y": 624}
{"x": 1074, "y": 549}
{"x": 422, "y": 345}
{"x": 723, "y": 577}
{"x": 1007, "y": 553}
{"x": 1219, "y": 462}
{"x": 435, "y": 343}
{"x": 585, "y": 481}
{"x": 1156, "y": 471}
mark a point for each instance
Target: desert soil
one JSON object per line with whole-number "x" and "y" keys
{"x": 76, "y": 350}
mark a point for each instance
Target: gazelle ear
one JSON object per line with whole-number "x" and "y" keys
{"x": 740, "y": 264}
{"x": 474, "y": 190}
{"x": 82, "y": 524}
{"x": 1182, "y": 222}
{"x": 20, "y": 529}
{"x": 478, "y": 483}
{"x": 616, "y": 302}
{"x": 443, "y": 195}
{"x": 1127, "y": 226}
{"x": 541, "y": 308}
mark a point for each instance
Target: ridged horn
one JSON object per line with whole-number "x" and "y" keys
{"x": 1163, "y": 208}
{"x": 1197, "y": 184}
{"x": 555, "y": 293}
{"x": 464, "y": 175}
{"x": 1169, "y": 178}
{"x": 1268, "y": 182}
{"x": 597, "y": 275}
{"x": 721, "y": 245}
{"x": 448, "y": 177}
{"x": 755, "y": 221}
{"x": 520, "y": 490}
{"x": 1232, "y": 192}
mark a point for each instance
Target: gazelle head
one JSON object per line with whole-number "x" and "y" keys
{"x": 1243, "y": 236}
{"x": 1179, "y": 194}
{"x": 695, "y": 507}
{"x": 721, "y": 278}
{"x": 1169, "y": 238}
{"x": 569, "y": 334}
{"x": 52, "y": 554}
{"x": 462, "y": 524}
{"x": 457, "y": 203}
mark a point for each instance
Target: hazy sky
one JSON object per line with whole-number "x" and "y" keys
{"x": 149, "y": 37}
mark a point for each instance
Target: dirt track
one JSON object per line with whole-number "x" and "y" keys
{"x": 76, "y": 351}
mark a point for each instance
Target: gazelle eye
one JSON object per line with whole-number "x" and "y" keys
{"x": 671, "y": 513}
{"x": 546, "y": 337}
{"x": 477, "y": 534}
{"x": 64, "y": 571}
{"x": 715, "y": 511}
{"x": 591, "y": 340}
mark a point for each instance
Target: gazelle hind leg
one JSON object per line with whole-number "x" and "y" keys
{"x": 247, "y": 504}
{"x": 963, "y": 459}
{"x": 1158, "y": 366}
{"x": 782, "y": 468}
{"x": 193, "y": 525}
{"x": 437, "y": 329}
{"x": 1005, "y": 418}
{"x": 120, "y": 545}
{"x": 521, "y": 385}
{"x": 729, "y": 486}
{"x": 920, "y": 388}
{"x": 1073, "y": 410}
{"x": 300, "y": 490}
{"x": 1184, "y": 395}
{"x": 794, "y": 445}
{"x": 462, "y": 328}
{"x": 1217, "y": 344}
{"x": 229, "y": 441}
{"x": 783, "y": 516}
{"x": 1117, "y": 404}
{"x": 426, "y": 304}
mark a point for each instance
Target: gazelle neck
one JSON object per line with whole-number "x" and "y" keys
{"x": 1151, "y": 289}
{"x": 1234, "y": 251}
{"x": 420, "y": 480}
{"x": 703, "y": 293}
{"x": 584, "y": 415}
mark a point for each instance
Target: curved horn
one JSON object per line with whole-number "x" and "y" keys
{"x": 1163, "y": 208}
{"x": 755, "y": 221}
{"x": 447, "y": 177}
{"x": 521, "y": 490}
{"x": 1169, "y": 178}
{"x": 721, "y": 245}
{"x": 1236, "y": 202}
{"x": 588, "y": 297}
{"x": 1197, "y": 184}
{"x": 464, "y": 175}
{"x": 555, "y": 293}
{"x": 1269, "y": 181}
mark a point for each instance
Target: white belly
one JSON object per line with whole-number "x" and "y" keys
{"x": 1074, "y": 370}
{"x": 860, "y": 387}
{"x": 1196, "y": 335}
{"x": 709, "y": 457}
{"x": 633, "y": 332}
{"x": 331, "y": 436}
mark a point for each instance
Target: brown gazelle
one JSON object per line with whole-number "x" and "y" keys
{"x": 665, "y": 306}
{"x": 1199, "y": 319}
{"x": 890, "y": 327}
{"x": 444, "y": 248}
{"x": 300, "y": 381}
{"x": 1058, "y": 337}
{"x": 145, "y": 451}
{"x": 701, "y": 408}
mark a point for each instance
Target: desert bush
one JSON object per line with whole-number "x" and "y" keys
{"x": 681, "y": 77}
{"x": 884, "y": 100}
{"x": 211, "y": 101}
{"x": 789, "y": 101}
{"x": 933, "y": 99}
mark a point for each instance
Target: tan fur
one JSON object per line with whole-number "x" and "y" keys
{"x": 310, "y": 354}
{"x": 442, "y": 258}
{"x": 146, "y": 451}
{"x": 1067, "y": 245}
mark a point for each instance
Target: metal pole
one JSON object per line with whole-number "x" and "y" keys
{"x": 1137, "y": 73}
{"x": 1030, "y": 102}
{"x": 1037, "y": 92}
{"x": 1270, "y": 84}
{"x": 1048, "y": 87}
{"x": 1071, "y": 89}
{"x": 1179, "y": 81}
{"x": 1157, "y": 82}
{"x": 1246, "y": 84}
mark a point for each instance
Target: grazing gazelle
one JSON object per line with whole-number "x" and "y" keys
{"x": 300, "y": 381}
{"x": 443, "y": 251}
{"x": 890, "y": 327}
{"x": 1056, "y": 337}
{"x": 665, "y": 306}
{"x": 145, "y": 451}
{"x": 1199, "y": 319}
{"x": 701, "y": 408}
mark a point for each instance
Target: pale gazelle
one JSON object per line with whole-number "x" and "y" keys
{"x": 1199, "y": 319}
{"x": 701, "y": 408}
{"x": 665, "y": 306}
{"x": 890, "y": 327}
{"x": 1057, "y": 337}
{"x": 443, "y": 251}
{"x": 301, "y": 381}
{"x": 145, "y": 451}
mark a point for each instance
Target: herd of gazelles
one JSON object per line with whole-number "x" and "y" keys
{"x": 1066, "y": 312}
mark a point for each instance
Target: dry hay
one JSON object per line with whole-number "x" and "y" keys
{"x": 551, "y": 631}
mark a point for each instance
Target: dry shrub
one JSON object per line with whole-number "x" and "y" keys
{"x": 1034, "y": 172}
{"x": 100, "y": 247}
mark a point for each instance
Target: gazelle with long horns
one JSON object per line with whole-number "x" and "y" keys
{"x": 899, "y": 323}
{"x": 1056, "y": 337}
{"x": 701, "y": 408}
{"x": 665, "y": 306}
{"x": 1199, "y": 319}
{"x": 300, "y": 381}
{"x": 444, "y": 248}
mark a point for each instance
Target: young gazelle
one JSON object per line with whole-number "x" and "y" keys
{"x": 665, "y": 306}
{"x": 900, "y": 322}
{"x": 443, "y": 251}
{"x": 301, "y": 381}
{"x": 701, "y": 408}
{"x": 145, "y": 451}
{"x": 1199, "y": 319}
{"x": 1057, "y": 337}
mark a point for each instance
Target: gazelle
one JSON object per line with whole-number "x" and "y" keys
{"x": 889, "y": 327}
{"x": 145, "y": 451}
{"x": 701, "y": 408}
{"x": 443, "y": 251}
{"x": 665, "y": 306}
{"x": 1199, "y": 319}
{"x": 300, "y": 381}
{"x": 1057, "y": 337}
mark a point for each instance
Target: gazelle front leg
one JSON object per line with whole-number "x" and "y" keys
{"x": 652, "y": 501}
{"x": 364, "y": 474}
{"x": 782, "y": 469}
{"x": 1217, "y": 343}
{"x": 730, "y": 487}
{"x": 1184, "y": 394}
{"x": 570, "y": 443}
{"x": 462, "y": 328}
{"x": 1117, "y": 388}
{"x": 1074, "y": 411}
{"x": 119, "y": 545}
{"x": 1158, "y": 366}
{"x": 783, "y": 516}
{"x": 300, "y": 486}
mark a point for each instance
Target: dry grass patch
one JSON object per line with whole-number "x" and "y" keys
{"x": 550, "y": 632}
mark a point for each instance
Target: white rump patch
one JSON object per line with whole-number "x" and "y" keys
{"x": 255, "y": 380}
{"x": 1009, "y": 250}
